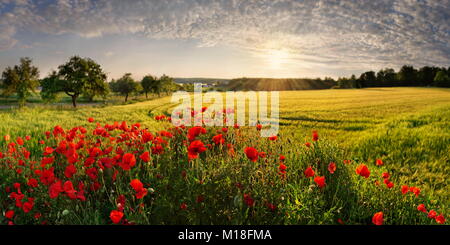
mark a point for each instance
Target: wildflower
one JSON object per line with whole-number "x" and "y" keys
{"x": 422, "y": 208}
{"x": 377, "y": 218}
{"x": 128, "y": 161}
{"x": 379, "y": 162}
{"x": 139, "y": 188}
{"x": 218, "y": 139}
{"x": 249, "y": 200}
{"x": 55, "y": 189}
{"x": 405, "y": 189}
{"x": 363, "y": 171}
{"x": 9, "y": 214}
{"x": 91, "y": 120}
{"x": 70, "y": 171}
{"x": 415, "y": 190}
{"x": 195, "y": 131}
{"x": 309, "y": 172}
{"x": 315, "y": 136}
{"x": 332, "y": 167}
{"x": 258, "y": 127}
{"x": 32, "y": 183}
{"x": 273, "y": 138}
{"x": 200, "y": 199}
{"x": 183, "y": 206}
{"x": 116, "y": 216}
{"x": 145, "y": 156}
{"x": 320, "y": 181}
{"x": 432, "y": 214}
{"x": 307, "y": 144}
{"x": 196, "y": 147}
{"x": 385, "y": 175}
{"x": 251, "y": 153}
{"x": 440, "y": 219}
{"x": 271, "y": 207}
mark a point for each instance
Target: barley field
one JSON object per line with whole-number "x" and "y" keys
{"x": 350, "y": 156}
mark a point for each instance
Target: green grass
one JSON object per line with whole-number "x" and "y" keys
{"x": 409, "y": 128}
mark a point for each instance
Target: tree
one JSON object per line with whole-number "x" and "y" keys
{"x": 147, "y": 83}
{"x": 77, "y": 76}
{"x": 442, "y": 79}
{"x": 368, "y": 79}
{"x": 407, "y": 76}
{"x": 386, "y": 77}
{"x": 427, "y": 74}
{"x": 21, "y": 79}
{"x": 167, "y": 84}
{"x": 125, "y": 85}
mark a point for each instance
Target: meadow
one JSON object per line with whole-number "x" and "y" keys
{"x": 371, "y": 150}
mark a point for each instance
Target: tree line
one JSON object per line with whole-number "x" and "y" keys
{"x": 75, "y": 78}
{"x": 406, "y": 76}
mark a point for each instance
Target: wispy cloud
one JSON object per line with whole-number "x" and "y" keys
{"x": 337, "y": 34}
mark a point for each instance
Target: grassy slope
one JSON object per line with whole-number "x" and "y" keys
{"x": 407, "y": 127}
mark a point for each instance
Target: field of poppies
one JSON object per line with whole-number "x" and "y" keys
{"x": 369, "y": 156}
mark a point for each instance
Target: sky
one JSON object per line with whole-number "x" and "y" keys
{"x": 227, "y": 38}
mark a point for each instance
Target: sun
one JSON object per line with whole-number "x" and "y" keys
{"x": 276, "y": 58}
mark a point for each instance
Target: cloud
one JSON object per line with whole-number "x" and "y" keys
{"x": 345, "y": 34}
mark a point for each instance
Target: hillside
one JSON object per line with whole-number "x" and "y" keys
{"x": 279, "y": 84}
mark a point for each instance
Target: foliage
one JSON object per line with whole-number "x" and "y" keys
{"x": 21, "y": 79}
{"x": 77, "y": 76}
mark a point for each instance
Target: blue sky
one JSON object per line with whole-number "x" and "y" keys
{"x": 229, "y": 38}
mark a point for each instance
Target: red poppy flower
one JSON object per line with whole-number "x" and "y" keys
{"x": 200, "y": 199}
{"x": 273, "y": 138}
{"x": 308, "y": 144}
{"x": 19, "y": 141}
{"x": 249, "y": 200}
{"x": 320, "y": 181}
{"x": 258, "y": 127}
{"x": 196, "y": 147}
{"x": 332, "y": 167}
{"x": 389, "y": 184}
{"x": 251, "y": 153}
{"x": 422, "y": 208}
{"x": 128, "y": 161}
{"x": 309, "y": 172}
{"x": 195, "y": 131}
{"x": 440, "y": 219}
{"x": 28, "y": 206}
{"x": 32, "y": 183}
{"x": 405, "y": 189}
{"x": 432, "y": 214}
{"x": 271, "y": 207}
{"x": 183, "y": 206}
{"x": 9, "y": 214}
{"x": 218, "y": 139}
{"x": 415, "y": 190}
{"x": 385, "y": 175}
{"x": 145, "y": 156}
{"x": 139, "y": 188}
{"x": 55, "y": 189}
{"x": 363, "y": 171}
{"x": 90, "y": 119}
{"x": 69, "y": 190}
{"x": 116, "y": 216}
{"x": 315, "y": 136}
{"x": 379, "y": 162}
{"x": 70, "y": 171}
{"x": 377, "y": 218}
